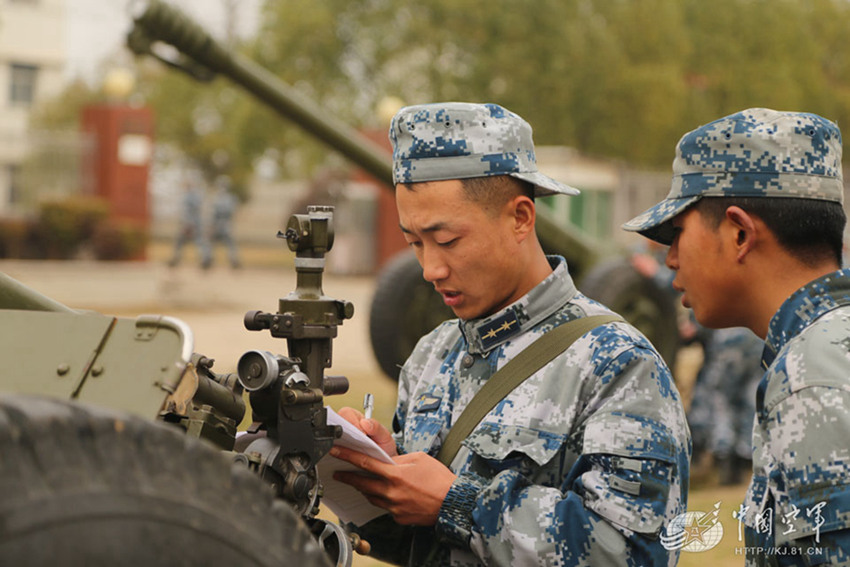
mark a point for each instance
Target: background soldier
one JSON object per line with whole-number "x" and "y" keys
{"x": 722, "y": 407}
{"x": 223, "y": 210}
{"x": 191, "y": 221}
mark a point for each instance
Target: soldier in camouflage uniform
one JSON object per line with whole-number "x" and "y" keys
{"x": 191, "y": 221}
{"x": 755, "y": 223}
{"x": 586, "y": 461}
{"x": 223, "y": 210}
{"x": 723, "y": 403}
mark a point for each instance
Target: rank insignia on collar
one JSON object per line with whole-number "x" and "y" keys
{"x": 499, "y": 329}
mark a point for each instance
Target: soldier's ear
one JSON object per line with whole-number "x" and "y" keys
{"x": 523, "y": 215}
{"x": 744, "y": 230}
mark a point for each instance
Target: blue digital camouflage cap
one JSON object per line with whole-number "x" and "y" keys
{"x": 459, "y": 140}
{"x": 753, "y": 153}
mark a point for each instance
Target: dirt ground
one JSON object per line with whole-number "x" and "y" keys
{"x": 213, "y": 303}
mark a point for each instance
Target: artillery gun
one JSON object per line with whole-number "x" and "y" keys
{"x": 88, "y": 477}
{"x": 407, "y": 307}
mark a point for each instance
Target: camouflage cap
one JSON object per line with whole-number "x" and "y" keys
{"x": 753, "y": 153}
{"x": 459, "y": 140}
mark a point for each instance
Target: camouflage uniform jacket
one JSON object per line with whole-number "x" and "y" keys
{"x": 582, "y": 464}
{"x": 800, "y": 493}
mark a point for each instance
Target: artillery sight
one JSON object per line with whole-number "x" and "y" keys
{"x": 287, "y": 392}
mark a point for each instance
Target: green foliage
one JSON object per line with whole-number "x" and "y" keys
{"x": 64, "y": 112}
{"x": 65, "y": 224}
{"x": 67, "y": 227}
{"x": 206, "y": 121}
{"x": 614, "y": 78}
{"x": 116, "y": 240}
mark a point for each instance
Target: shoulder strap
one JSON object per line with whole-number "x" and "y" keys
{"x": 537, "y": 355}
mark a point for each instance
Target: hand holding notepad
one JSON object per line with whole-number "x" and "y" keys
{"x": 342, "y": 499}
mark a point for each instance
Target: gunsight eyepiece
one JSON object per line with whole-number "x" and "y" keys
{"x": 310, "y": 235}
{"x": 257, "y": 369}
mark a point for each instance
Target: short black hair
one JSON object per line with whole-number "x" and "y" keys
{"x": 811, "y": 230}
{"x": 490, "y": 192}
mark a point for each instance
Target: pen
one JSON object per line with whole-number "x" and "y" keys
{"x": 368, "y": 405}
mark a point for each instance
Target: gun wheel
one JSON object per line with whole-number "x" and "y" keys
{"x": 616, "y": 284}
{"x": 81, "y": 485}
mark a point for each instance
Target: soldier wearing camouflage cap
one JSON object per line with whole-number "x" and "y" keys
{"x": 755, "y": 222}
{"x": 586, "y": 461}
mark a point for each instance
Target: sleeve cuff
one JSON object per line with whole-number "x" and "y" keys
{"x": 454, "y": 521}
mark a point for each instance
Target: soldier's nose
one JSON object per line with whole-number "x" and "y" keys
{"x": 672, "y": 259}
{"x": 433, "y": 268}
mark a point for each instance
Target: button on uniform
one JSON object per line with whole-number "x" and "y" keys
{"x": 468, "y": 360}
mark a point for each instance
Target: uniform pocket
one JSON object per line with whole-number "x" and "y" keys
{"x": 513, "y": 446}
{"x": 632, "y": 462}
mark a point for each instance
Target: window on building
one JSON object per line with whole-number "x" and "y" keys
{"x": 22, "y": 80}
{"x": 591, "y": 212}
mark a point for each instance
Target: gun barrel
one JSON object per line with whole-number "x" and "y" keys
{"x": 155, "y": 20}
{"x": 15, "y": 295}
{"x": 159, "y": 21}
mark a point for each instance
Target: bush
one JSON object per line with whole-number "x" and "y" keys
{"x": 115, "y": 240}
{"x": 18, "y": 238}
{"x": 66, "y": 224}
{"x": 71, "y": 227}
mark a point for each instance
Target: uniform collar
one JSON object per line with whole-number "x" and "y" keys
{"x": 485, "y": 334}
{"x": 803, "y": 307}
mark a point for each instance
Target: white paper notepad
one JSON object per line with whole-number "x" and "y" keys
{"x": 342, "y": 499}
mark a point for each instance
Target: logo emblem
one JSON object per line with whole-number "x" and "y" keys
{"x": 694, "y": 531}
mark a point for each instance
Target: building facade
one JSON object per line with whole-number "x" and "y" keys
{"x": 32, "y": 60}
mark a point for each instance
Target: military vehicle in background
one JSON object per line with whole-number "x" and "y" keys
{"x": 405, "y": 306}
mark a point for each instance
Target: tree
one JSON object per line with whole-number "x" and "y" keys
{"x": 613, "y": 78}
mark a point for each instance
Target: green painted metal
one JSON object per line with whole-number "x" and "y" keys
{"x": 121, "y": 363}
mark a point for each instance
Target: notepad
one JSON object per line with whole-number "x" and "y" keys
{"x": 345, "y": 501}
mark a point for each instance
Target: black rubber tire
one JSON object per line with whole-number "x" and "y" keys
{"x": 616, "y": 284}
{"x": 85, "y": 486}
{"x": 404, "y": 309}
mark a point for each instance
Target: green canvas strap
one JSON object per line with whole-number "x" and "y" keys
{"x": 537, "y": 355}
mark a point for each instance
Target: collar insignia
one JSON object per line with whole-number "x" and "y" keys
{"x": 495, "y": 331}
